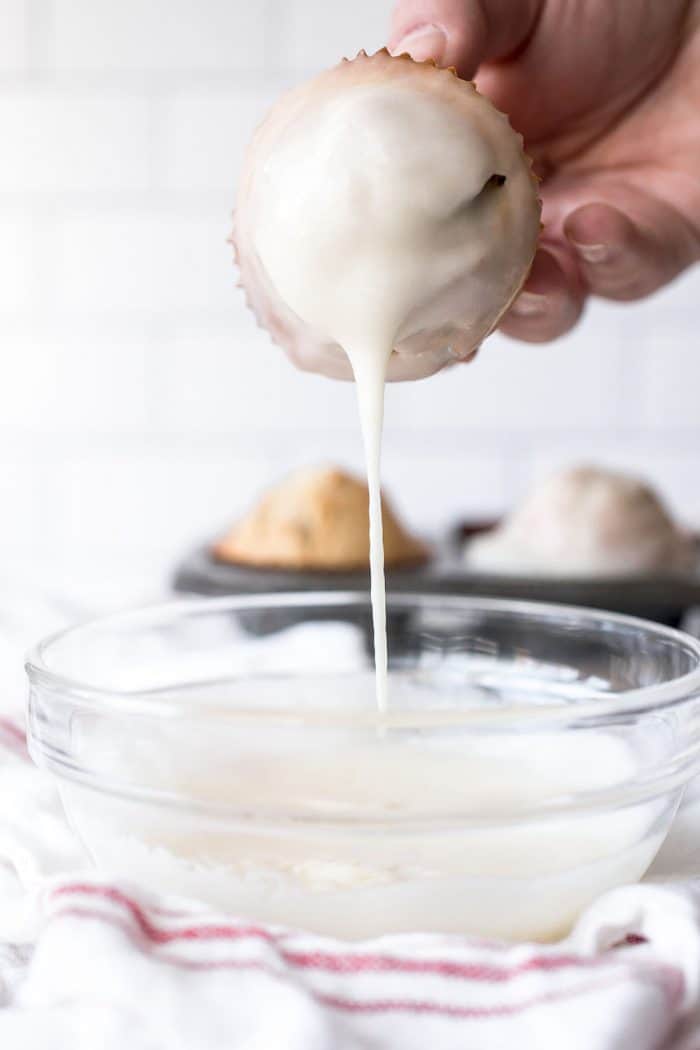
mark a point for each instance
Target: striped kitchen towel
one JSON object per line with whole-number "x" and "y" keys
{"x": 87, "y": 963}
{"x": 117, "y": 967}
{"x": 111, "y": 965}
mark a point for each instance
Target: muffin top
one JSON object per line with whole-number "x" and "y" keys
{"x": 316, "y": 519}
{"x": 585, "y": 520}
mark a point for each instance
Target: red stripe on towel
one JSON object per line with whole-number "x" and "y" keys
{"x": 331, "y": 962}
{"x": 14, "y": 736}
{"x": 668, "y": 983}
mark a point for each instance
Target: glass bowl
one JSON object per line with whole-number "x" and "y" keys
{"x": 230, "y": 750}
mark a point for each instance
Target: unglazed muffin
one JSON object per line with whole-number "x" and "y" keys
{"x": 585, "y": 521}
{"x": 316, "y": 519}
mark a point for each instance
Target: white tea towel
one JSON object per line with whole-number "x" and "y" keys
{"x": 115, "y": 967}
{"x": 87, "y": 962}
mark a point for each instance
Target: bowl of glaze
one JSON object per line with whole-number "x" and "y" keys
{"x": 532, "y": 757}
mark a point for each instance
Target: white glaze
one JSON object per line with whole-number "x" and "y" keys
{"x": 340, "y": 835}
{"x": 370, "y": 230}
{"x": 372, "y": 227}
{"x": 585, "y": 521}
{"x": 380, "y": 164}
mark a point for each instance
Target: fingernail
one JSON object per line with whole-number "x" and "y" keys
{"x": 529, "y": 304}
{"x": 592, "y": 253}
{"x": 428, "y": 41}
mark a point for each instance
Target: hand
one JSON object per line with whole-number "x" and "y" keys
{"x": 607, "y": 96}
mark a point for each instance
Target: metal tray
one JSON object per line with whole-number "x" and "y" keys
{"x": 201, "y": 573}
{"x": 663, "y": 598}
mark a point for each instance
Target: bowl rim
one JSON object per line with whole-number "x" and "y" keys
{"x": 599, "y": 709}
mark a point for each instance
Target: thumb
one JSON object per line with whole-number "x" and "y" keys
{"x": 462, "y": 33}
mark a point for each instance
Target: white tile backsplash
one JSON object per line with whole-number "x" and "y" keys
{"x": 25, "y": 503}
{"x": 158, "y": 35}
{"x": 12, "y": 35}
{"x": 153, "y": 501}
{"x": 62, "y": 140}
{"x": 139, "y": 260}
{"x": 238, "y": 381}
{"x": 511, "y": 385}
{"x": 434, "y": 489}
{"x": 313, "y": 34}
{"x": 63, "y": 382}
{"x": 19, "y": 247}
{"x": 205, "y": 131}
{"x": 670, "y": 401}
{"x": 140, "y": 406}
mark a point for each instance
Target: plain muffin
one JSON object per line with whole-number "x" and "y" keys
{"x": 317, "y": 518}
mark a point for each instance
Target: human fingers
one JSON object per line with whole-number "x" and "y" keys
{"x": 629, "y": 249}
{"x": 605, "y": 238}
{"x": 462, "y": 33}
{"x": 551, "y": 301}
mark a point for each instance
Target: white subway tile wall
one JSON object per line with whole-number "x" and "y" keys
{"x": 67, "y": 139}
{"x": 154, "y": 36}
{"x": 140, "y": 407}
{"x": 13, "y": 54}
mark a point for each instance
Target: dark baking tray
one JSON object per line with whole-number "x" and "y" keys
{"x": 201, "y": 573}
{"x": 663, "y": 598}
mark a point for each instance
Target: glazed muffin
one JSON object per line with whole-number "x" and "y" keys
{"x": 389, "y": 197}
{"x": 585, "y": 521}
{"x": 316, "y": 519}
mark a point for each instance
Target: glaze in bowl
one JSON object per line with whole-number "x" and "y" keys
{"x": 532, "y": 756}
